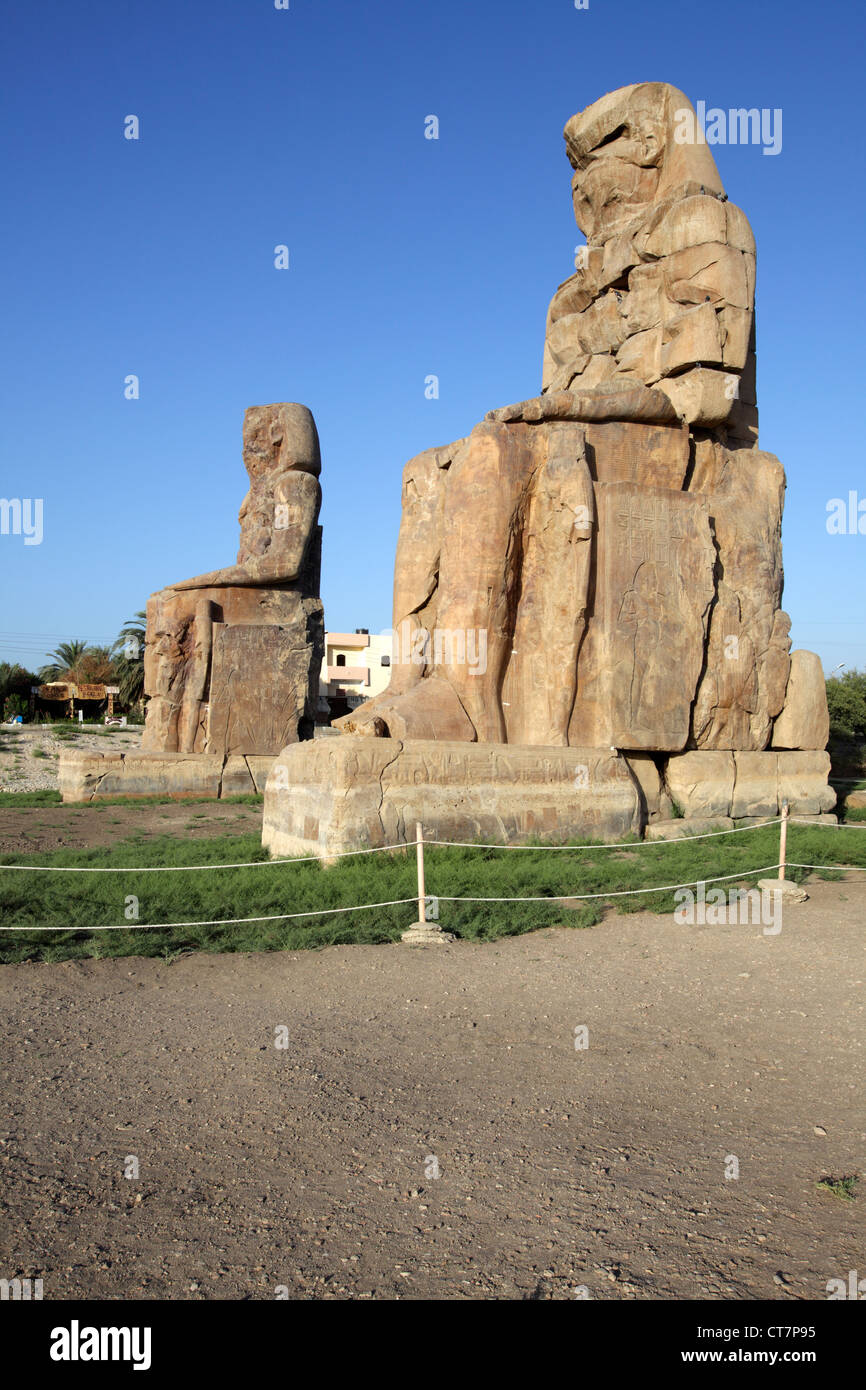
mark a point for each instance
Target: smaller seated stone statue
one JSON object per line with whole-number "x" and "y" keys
{"x": 232, "y": 657}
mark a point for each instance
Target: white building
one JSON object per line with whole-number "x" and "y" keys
{"x": 356, "y": 667}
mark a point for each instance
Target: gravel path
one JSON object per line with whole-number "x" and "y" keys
{"x": 313, "y": 1167}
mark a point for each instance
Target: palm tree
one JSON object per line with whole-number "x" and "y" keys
{"x": 62, "y": 664}
{"x": 128, "y": 653}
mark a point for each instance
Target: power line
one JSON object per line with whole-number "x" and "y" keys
{"x": 57, "y": 636}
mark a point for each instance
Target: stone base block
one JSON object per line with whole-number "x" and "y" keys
{"x": 789, "y": 891}
{"x": 657, "y": 803}
{"x": 236, "y": 777}
{"x": 682, "y": 829}
{"x": 423, "y": 934}
{"x": 327, "y": 796}
{"x": 817, "y": 820}
{"x": 87, "y": 776}
{"x": 701, "y": 783}
{"x": 750, "y": 785}
{"x": 803, "y": 783}
{"x": 259, "y": 765}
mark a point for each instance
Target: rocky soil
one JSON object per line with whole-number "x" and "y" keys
{"x": 29, "y": 753}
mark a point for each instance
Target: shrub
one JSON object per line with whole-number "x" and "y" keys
{"x": 846, "y": 699}
{"x": 15, "y": 704}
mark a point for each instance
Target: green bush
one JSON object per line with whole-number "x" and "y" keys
{"x": 15, "y": 680}
{"x": 15, "y": 704}
{"x": 846, "y": 699}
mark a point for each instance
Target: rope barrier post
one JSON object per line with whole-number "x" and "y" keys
{"x": 785, "y": 888}
{"x": 422, "y": 894}
{"x": 422, "y": 932}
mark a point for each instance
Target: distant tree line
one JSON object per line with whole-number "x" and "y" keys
{"x": 846, "y": 698}
{"x": 79, "y": 663}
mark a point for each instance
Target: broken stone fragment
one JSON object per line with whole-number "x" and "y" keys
{"x": 804, "y": 721}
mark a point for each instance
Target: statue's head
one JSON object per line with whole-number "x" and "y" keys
{"x": 626, "y": 157}
{"x": 280, "y": 439}
{"x": 281, "y": 454}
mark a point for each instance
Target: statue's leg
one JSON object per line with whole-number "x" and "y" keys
{"x": 541, "y": 681}
{"x": 482, "y": 554}
{"x": 198, "y": 671}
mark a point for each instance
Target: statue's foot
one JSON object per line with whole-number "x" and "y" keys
{"x": 430, "y": 709}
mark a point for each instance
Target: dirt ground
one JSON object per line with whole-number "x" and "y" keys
{"x": 313, "y": 1168}
{"x": 44, "y": 828}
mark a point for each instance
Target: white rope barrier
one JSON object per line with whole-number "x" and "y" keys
{"x": 856, "y": 868}
{"x": 401, "y": 902}
{"x": 824, "y": 825}
{"x": 345, "y": 854}
{"x": 220, "y": 922}
{"x": 779, "y": 867}
{"x": 619, "y": 893}
{"x": 405, "y": 844}
{"x": 191, "y": 868}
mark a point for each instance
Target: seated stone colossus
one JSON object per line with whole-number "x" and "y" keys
{"x": 618, "y": 537}
{"x": 232, "y": 657}
{"x": 588, "y": 586}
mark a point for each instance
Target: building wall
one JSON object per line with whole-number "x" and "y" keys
{"x": 360, "y": 675}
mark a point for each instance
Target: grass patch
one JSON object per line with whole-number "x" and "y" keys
{"x": 845, "y": 1189}
{"x": 23, "y": 800}
{"x": 73, "y": 904}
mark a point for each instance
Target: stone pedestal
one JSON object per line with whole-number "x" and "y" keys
{"x": 86, "y": 776}
{"x": 358, "y": 792}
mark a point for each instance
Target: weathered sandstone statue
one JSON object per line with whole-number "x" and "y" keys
{"x": 617, "y": 538}
{"x": 232, "y": 657}
{"x": 610, "y": 547}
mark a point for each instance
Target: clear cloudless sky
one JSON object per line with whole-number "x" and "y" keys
{"x": 408, "y": 257}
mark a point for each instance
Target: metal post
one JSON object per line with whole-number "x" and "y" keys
{"x": 783, "y": 840}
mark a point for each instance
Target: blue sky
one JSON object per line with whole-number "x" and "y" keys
{"x": 408, "y": 257}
